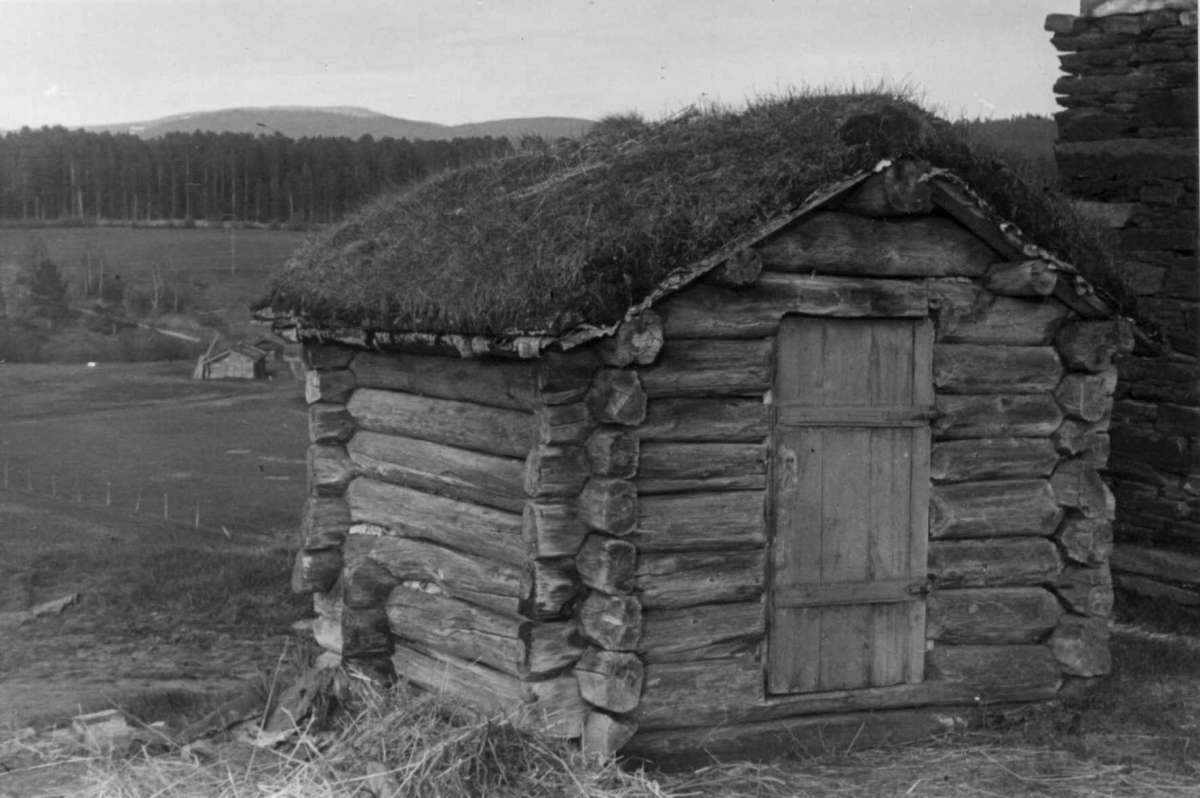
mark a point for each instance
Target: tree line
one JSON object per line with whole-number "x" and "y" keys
{"x": 58, "y": 175}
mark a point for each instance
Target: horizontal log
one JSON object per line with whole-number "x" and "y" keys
{"x": 705, "y": 632}
{"x": 991, "y": 458}
{"x": 329, "y": 469}
{"x": 707, "y": 367}
{"x": 608, "y": 505}
{"x": 616, "y": 396}
{"x": 708, "y": 311}
{"x": 1091, "y": 345}
{"x": 670, "y": 467}
{"x": 1086, "y": 591}
{"x": 637, "y": 340}
{"x": 607, "y": 564}
{"x": 564, "y": 424}
{"x": 604, "y": 735}
{"x": 688, "y": 522}
{"x": 901, "y": 190}
{"x": 434, "y": 467}
{"x": 552, "y": 529}
{"x": 610, "y": 680}
{"x": 991, "y": 615}
{"x": 678, "y": 694}
{"x": 985, "y": 369}
{"x": 707, "y": 692}
{"x": 507, "y": 643}
{"x": 1164, "y": 564}
{"x": 698, "y": 420}
{"x": 995, "y": 416}
{"x": 838, "y": 243}
{"x": 555, "y": 471}
{"x": 462, "y": 575}
{"x": 967, "y": 315}
{"x": 555, "y": 586}
{"x": 613, "y": 452}
{"x": 467, "y": 425}
{"x": 315, "y": 571}
{"x": 741, "y": 268}
{"x": 329, "y": 422}
{"x": 1087, "y": 396}
{"x": 611, "y": 622}
{"x": 993, "y": 562}
{"x": 996, "y": 673}
{"x": 496, "y": 383}
{"x": 1032, "y": 278}
{"x": 551, "y": 707}
{"x": 324, "y": 523}
{"x": 692, "y": 747}
{"x": 689, "y": 579}
{"x": 1089, "y": 541}
{"x": 1017, "y": 507}
{"x": 1150, "y": 587}
{"x": 1080, "y": 646}
{"x": 328, "y": 385}
{"x": 1077, "y": 485}
{"x": 405, "y": 512}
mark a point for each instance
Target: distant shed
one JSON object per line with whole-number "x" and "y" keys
{"x": 242, "y": 361}
{"x": 837, "y": 475}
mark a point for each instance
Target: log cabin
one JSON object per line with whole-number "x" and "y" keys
{"x": 739, "y": 431}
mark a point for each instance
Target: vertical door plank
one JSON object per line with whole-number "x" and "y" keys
{"x": 850, "y": 504}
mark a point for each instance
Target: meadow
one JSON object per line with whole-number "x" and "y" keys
{"x": 226, "y": 457}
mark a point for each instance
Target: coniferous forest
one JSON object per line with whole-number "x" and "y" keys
{"x": 56, "y": 175}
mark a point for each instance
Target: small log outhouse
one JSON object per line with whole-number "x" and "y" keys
{"x": 670, "y": 440}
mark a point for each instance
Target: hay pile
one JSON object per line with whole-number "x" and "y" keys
{"x": 580, "y": 230}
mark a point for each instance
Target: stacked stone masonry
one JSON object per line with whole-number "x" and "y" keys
{"x": 582, "y": 542}
{"x": 1127, "y": 148}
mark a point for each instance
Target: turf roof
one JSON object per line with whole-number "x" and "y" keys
{"x": 580, "y": 230}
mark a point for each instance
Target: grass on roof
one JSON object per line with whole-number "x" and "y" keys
{"x": 579, "y": 230}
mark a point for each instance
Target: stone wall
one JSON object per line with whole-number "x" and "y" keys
{"x": 1127, "y": 148}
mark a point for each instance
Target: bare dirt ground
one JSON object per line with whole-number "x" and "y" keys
{"x": 103, "y": 602}
{"x": 81, "y": 658}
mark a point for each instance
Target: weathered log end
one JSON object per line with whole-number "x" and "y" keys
{"x": 1080, "y": 646}
{"x": 604, "y": 735}
{"x": 316, "y": 571}
{"x": 613, "y": 623}
{"x": 610, "y": 680}
{"x": 638, "y": 340}
{"x": 616, "y": 397}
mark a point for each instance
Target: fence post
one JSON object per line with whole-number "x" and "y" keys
{"x": 137, "y": 507}
{"x": 108, "y": 494}
{"x": 196, "y": 525}
{"x": 166, "y": 516}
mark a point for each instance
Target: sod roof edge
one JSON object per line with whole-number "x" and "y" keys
{"x": 556, "y": 246}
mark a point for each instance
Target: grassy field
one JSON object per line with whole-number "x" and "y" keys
{"x": 132, "y": 437}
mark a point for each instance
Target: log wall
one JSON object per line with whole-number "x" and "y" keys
{"x": 582, "y": 542}
{"x": 1127, "y": 149}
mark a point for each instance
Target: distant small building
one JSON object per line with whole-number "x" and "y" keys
{"x": 272, "y": 346}
{"x": 242, "y": 361}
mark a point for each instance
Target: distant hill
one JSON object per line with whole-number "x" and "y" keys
{"x": 344, "y": 121}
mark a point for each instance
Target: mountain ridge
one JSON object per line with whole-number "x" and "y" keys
{"x": 353, "y": 122}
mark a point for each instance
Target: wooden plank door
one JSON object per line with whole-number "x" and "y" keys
{"x": 851, "y": 504}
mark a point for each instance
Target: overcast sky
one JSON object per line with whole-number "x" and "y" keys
{"x": 78, "y": 62}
